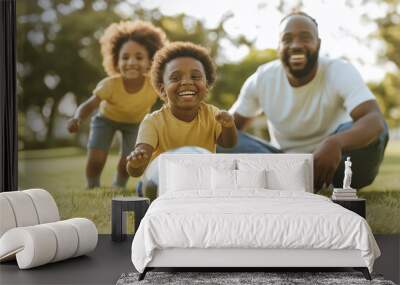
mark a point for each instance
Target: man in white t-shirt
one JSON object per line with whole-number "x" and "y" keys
{"x": 313, "y": 105}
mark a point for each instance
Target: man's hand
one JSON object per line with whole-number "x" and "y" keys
{"x": 225, "y": 119}
{"x": 137, "y": 158}
{"x": 327, "y": 157}
{"x": 73, "y": 125}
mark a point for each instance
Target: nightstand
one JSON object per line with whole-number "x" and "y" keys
{"x": 119, "y": 207}
{"x": 358, "y": 205}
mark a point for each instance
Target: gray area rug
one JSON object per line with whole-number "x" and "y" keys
{"x": 231, "y": 278}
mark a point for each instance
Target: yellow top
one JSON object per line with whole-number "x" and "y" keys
{"x": 163, "y": 131}
{"x": 121, "y": 106}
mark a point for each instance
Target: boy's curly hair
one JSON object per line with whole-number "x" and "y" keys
{"x": 114, "y": 37}
{"x": 181, "y": 49}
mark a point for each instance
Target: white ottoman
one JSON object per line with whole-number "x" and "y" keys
{"x": 31, "y": 232}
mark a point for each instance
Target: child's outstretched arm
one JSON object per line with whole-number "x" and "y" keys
{"x": 228, "y": 136}
{"x": 138, "y": 159}
{"x": 83, "y": 111}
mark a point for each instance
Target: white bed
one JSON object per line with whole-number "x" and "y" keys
{"x": 247, "y": 210}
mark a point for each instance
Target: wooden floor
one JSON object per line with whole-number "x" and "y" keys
{"x": 102, "y": 266}
{"x": 111, "y": 259}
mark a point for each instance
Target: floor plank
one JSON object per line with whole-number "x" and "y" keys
{"x": 102, "y": 266}
{"x": 388, "y": 263}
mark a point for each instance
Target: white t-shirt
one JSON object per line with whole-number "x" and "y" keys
{"x": 299, "y": 118}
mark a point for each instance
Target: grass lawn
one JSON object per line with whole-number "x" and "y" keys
{"x": 64, "y": 177}
{"x": 383, "y": 196}
{"x": 62, "y": 173}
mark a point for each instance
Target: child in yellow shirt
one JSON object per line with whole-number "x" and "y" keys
{"x": 124, "y": 97}
{"x": 182, "y": 73}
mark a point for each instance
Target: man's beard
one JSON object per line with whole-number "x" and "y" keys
{"x": 312, "y": 60}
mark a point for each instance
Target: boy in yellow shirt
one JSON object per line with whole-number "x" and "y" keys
{"x": 124, "y": 97}
{"x": 182, "y": 73}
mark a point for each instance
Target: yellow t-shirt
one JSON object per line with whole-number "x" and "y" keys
{"x": 163, "y": 131}
{"x": 121, "y": 106}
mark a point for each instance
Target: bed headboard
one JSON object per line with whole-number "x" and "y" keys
{"x": 288, "y": 163}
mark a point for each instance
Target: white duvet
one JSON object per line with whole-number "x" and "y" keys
{"x": 253, "y": 218}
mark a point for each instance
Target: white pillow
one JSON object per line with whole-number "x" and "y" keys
{"x": 287, "y": 174}
{"x": 251, "y": 178}
{"x": 294, "y": 181}
{"x": 226, "y": 179}
{"x": 223, "y": 179}
{"x": 183, "y": 177}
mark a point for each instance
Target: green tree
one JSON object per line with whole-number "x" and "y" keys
{"x": 58, "y": 53}
{"x": 231, "y": 76}
{"x": 388, "y": 89}
{"x": 387, "y": 93}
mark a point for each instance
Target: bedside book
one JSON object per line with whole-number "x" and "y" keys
{"x": 344, "y": 194}
{"x": 334, "y": 197}
{"x": 341, "y": 190}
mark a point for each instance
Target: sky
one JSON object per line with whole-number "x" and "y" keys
{"x": 342, "y": 29}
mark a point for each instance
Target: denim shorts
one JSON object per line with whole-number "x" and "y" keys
{"x": 102, "y": 131}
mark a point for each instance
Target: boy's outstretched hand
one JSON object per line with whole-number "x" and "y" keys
{"x": 73, "y": 125}
{"x": 225, "y": 119}
{"x": 137, "y": 158}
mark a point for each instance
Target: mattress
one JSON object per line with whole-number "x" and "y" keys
{"x": 250, "y": 219}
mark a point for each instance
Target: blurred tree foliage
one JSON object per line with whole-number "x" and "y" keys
{"x": 59, "y": 61}
{"x": 388, "y": 90}
{"x": 231, "y": 76}
{"x": 58, "y": 56}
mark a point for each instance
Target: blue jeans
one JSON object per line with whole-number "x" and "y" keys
{"x": 365, "y": 161}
